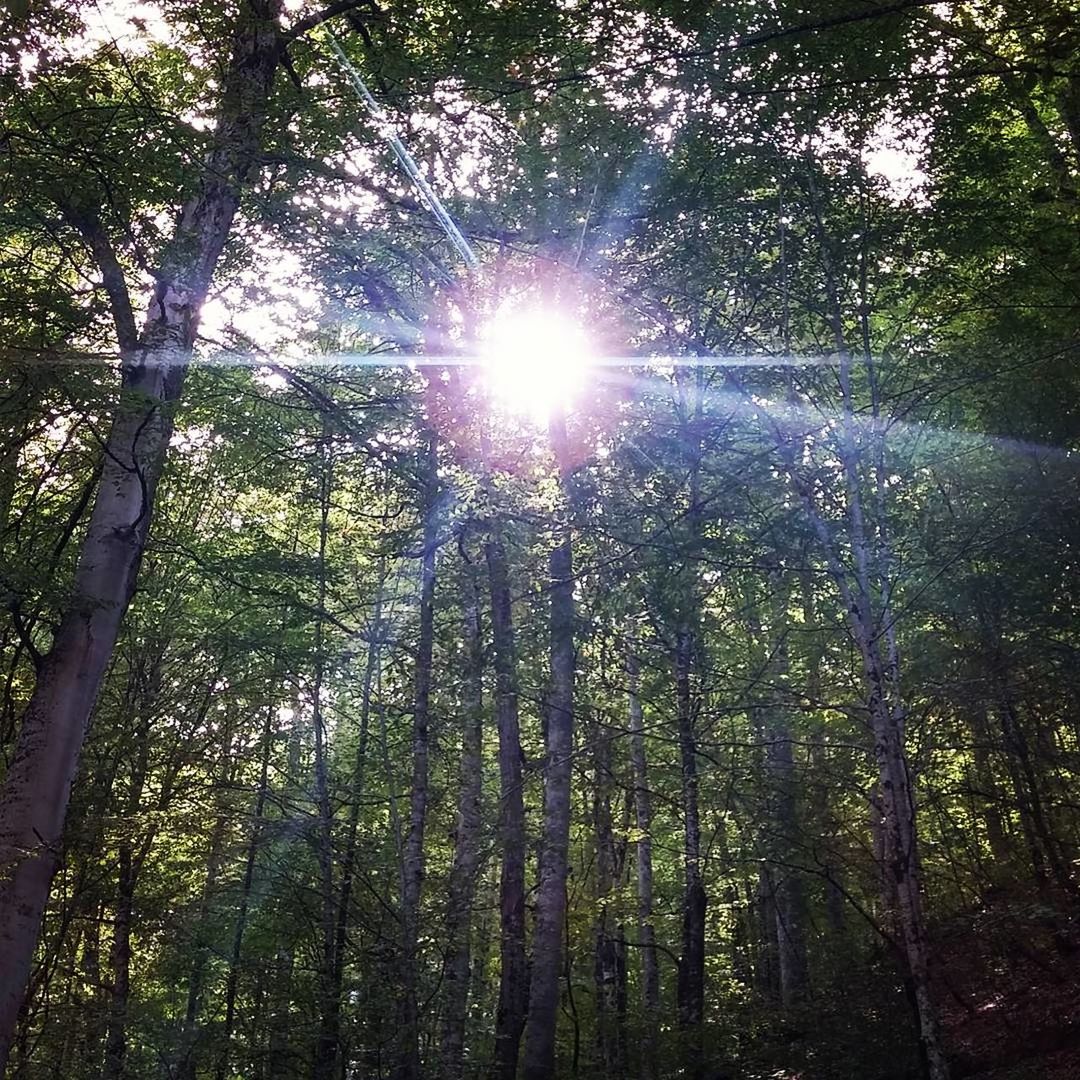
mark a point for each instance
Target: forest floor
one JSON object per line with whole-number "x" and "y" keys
{"x": 1010, "y": 995}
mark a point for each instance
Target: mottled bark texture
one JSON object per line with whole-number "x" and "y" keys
{"x": 33, "y": 803}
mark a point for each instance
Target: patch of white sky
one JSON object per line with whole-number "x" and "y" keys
{"x": 133, "y": 26}
{"x": 638, "y": 70}
{"x": 270, "y": 303}
{"x": 460, "y": 138}
{"x": 895, "y": 153}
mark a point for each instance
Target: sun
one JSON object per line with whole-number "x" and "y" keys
{"x": 535, "y": 360}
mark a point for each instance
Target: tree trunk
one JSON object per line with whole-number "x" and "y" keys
{"x": 607, "y": 930}
{"x": 463, "y": 872}
{"x": 987, "y": 798}
{"x": 787, "y": 893}
{"x": 281, "y": 1059}
{"x": 650, "y": 968}
{"x": 326, "y": 1045}
{"x": 1045, "y": 849}
{"x": 408, "y": 1067}
{"x": 856, "y": 581}
{"x": 782, "y": 817}
{"x": 189, "y": 1035}
{"x": 691, "y": 984}
{"x": 146, "y": 677}
{"x": 540, "y": 1025}
{"x": 331, "y": 1020}
{"x": 232, "y": 978}
{"x": 34, "y": 799}
{"x": 513, "y": 971}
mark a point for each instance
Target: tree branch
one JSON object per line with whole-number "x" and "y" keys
{"x": 317, "y": 18}
{"x": 112, "y": 275}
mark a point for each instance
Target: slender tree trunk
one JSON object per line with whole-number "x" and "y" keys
{"x": 607, "y": 930}
{"x": 187, "y": 1050}
{"x": 856, "y": 582}
{"x": 650, "y": 967}
{"x": 34, "y": 798}
{"x": 463, "y": 872}
{"x": 326, "y": 1047}
{"x": 690, "y": 988}
{"x": 331, "y": 1021}
{"x": 887, "y": 717}
{"x": 408, "y": 1067}
{"x": 767, "y": 967}
{"x": 787, "y": 885}
{"x": 232, "y": 978}
{"x": 1044, "y": 845}
{"x": 147, "y": 678}
{"x": 691, "y": 984}
{"x": 547, "y": 964}
{"x": 120, "y": 961}
{"x": 280, "y": 1058}
{"x": 280, "y": 1063}
{"x": 196, "y": 983}
{"x": 986, "y": 795}
{"x": 785, "y": 891}
{"x": 513, "y": 971}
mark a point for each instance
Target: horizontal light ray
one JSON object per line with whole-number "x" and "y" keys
{"x": 228, "y": 358}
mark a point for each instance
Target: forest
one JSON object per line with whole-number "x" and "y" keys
{"x": 539, "y": 539}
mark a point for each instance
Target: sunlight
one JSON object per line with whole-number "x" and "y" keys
{"x": 535, "y": 360}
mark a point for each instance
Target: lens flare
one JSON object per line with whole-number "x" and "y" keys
{"x": 535, "y": 360}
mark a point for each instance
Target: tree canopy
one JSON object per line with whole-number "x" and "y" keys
{"x": 641, "y": 647}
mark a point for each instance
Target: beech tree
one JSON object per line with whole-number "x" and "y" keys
{"x": 537, "y": 539}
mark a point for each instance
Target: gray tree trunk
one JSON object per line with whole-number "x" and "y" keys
{"x": 859, "y": 579}
{"x": 326, "y": 1044}
{"x": 331, "y": 1020}
{"x": 34, "y": 799}
{"x": 610, "y": 959}
{"x": 232, "y": 978}
{"x": 547, "y": 963}
{"x": 513, "y": 971}
{"x": 127, "y": 873}
{"x": 466, "y": 863}
{"x": 408, "y": 1066}
{"x": 650, "y": 968}
{"x": 691, "y": 984}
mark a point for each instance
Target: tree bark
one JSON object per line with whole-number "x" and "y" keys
{"x": 331, "y": 1020}
{"x": 650, "y": 968}
{"x": 869, "y": 624}
{"x": 784, "y": 886}
{"x": 513, "y": 971}
{"x": 691, "y": 984}
{"x": 34, "y": 799}
{"x": 787, "y": 894}
{"x": 120, "y": 953}
{"x": 607, "y": 930}
{"x": 408, "y": 1067}
{"x": 547, "y": 963}
{"x": 188, "y": 1055}
{"x": 232, "y": 978}
{"x": 326, "y": 1045}
{"x": 463, "y": 872}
